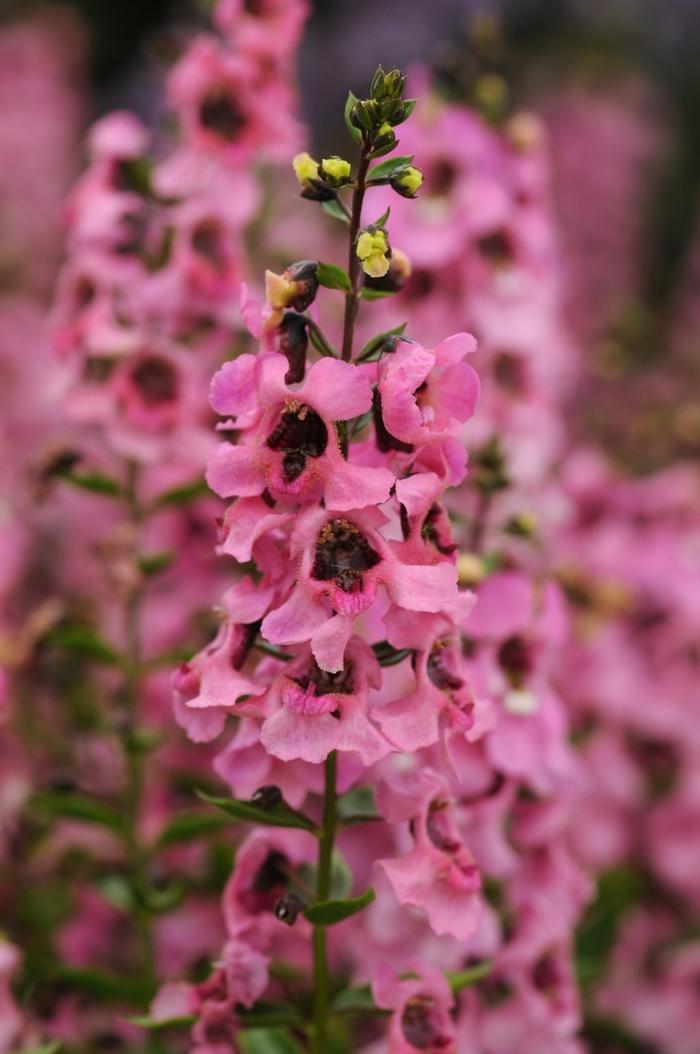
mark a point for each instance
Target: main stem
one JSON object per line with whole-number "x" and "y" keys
{"x": 133, "y": 669}
{"x": 319, "y": 1039}
{"x": 352, "y": 298}
{"x": 323, "y": 889}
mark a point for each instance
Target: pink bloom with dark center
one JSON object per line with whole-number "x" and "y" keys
{"x": 421, "y": 1006}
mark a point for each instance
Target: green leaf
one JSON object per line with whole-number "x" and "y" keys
{"x": 618, "y": 890}
{"x": 357, "y": 806}
{"x": 349, "y": 106}
{"x": 92, "y": 481}
{"x": 374, "y": 347}
{"x": 83, "y": 640}
{"x": 105, "y": 986}
{"x": 465, "y": 978}
{"x": 387, "y": 168}
{"x": 267, "y": 1041}
{"x": 332, "y": 208}
{"x": 381, "y": 221}
{"x": 155, "y": 562}
{"x": 189, "y": 826}
{"x": 182, "y": 495}
{"x": 380, "y": 151}
{"x": 328, "y": 912}
{"x": 270, "y": 1015}
{"x": 153, "y": 1025}
{"x": 118, "y": 891}
{"x": 80, "y": 807}
{"x": 281, "y": 815}
{"x": 333, "y": 277}
{"x": 374, "y": 294}
{"x": 387, "y": 655}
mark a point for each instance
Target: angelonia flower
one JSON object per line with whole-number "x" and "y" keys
{"x": 357, "y": 669}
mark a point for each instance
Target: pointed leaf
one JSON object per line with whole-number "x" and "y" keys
{"x": 328, "y": 912}
{"x": 182, "y": 495}
{"x": 155, "y": 1025}
{"x": 93, "y": 481}
{"x": 373, "y": 347}
{"x": 464, "y": 978}
{"x": 387, "y": 168}
{"x": 80, "y": 807}
{"x": 374, "y": 294}
{"x": 332, "y": 208}
{"x": 270, "y": 1015}
{"x": 349, "y": 105}
{"x": 333, "y": 277}
{"x": 189, "y": 826}
{"x": 281, "y": 815}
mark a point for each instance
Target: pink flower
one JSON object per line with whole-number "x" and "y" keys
{"x": 318, "y": 712}
{"x": 294, "y": 451}
{"x": 438, "y": 875}
{"x": 426, "y": 526}
{"x": 208, "y": 687}
{"x": 427, "y": 395}
{"x": 421, "y": 1005}
{"x": 343, "y": 560}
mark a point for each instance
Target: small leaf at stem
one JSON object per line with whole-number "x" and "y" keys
{"x": 80, "y": 807}
{"x": 333, "y": 277}
{"x": 182, "y": 495}
{"x": 156, "y": 1025}
{"x": 387, "y": 655}
{"x": 375, "y": 294}
{"x": 374, "y": 347}
{"x": 387, "y": 168}
{"x": 329, "y": 912}
{"x": 349, "y": 106}
{"x": 190, "y": 826}
{"x": 280, "y": 815}
{"x": 92, "y": 481}
{"x": 382, "y": 220}
{"x": 380, "y": 151}
{"x": 464, "y": 978}
{"x": 319, "y": 341}
{"x": 335, "y": 209}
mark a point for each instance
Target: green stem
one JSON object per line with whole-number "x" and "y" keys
{"x": 133, "y": 672}
{"x": 323, "y": 889}
{"x": 354, "y": 271}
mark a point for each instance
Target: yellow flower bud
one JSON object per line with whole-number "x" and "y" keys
{"x": 278, "y": 290}
{"x": 336, "y": 170}
{"x": 305, "y": 167}
{"x": 373, "y": 249}
{"x": 407, "y": 181}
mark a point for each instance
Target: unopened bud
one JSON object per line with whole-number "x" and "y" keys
{"x": 407, "y": 181}
{"x": 310, "y": 181}
{"x": 287, "y": 908}
{"x": 293, "y": 342}
{"x": 396, "y": 277}
{"x": 295, "y": 288}
{"x": 267, "y": 797}
{"x": 336, "y": 171}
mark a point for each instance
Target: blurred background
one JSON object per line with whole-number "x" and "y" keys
{"x": 619, "y": 86}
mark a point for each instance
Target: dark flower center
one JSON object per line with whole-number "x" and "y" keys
{"x": 219, "y": 113}
{"x": 439, "y": 828}
{"x": 439, "y": 660}
{"x": 515, "y": 657}
{"x": 269, "y": 884}
{"x": 248, "y": 633}
{"x": 441, "y": 176}
{"x": 419, "y": 1026}
{"x": 207, "y": 242}
{"x": 156, "y": 380}
{"x": 384, "y": 439}
{"x": 497, "y": 247}
{"x": 509, "y": 371}
{"x": 430, "y": 531}
{"x": 343, "y": 553}
{"x": 298, "y": 434}
{"x": 325, "y": 683}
